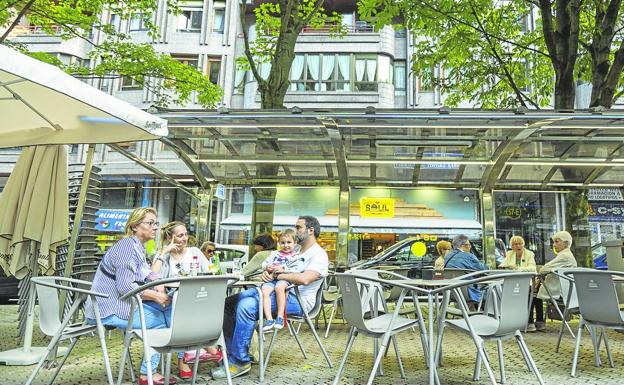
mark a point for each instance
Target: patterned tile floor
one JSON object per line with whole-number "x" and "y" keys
{"x": 84, "y": 366}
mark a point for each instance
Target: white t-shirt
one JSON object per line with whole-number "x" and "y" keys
{"x": 184, "y": 264}
{"x": 315, "y": 258}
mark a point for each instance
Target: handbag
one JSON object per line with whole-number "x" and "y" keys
{"x": 553, "y": 314}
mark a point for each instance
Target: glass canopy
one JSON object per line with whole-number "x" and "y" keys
{"x": 488, "y": 150}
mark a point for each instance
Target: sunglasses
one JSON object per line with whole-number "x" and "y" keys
{"x": 210, "y": 251}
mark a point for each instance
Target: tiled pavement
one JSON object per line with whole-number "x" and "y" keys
{"x": 84, "y": 366}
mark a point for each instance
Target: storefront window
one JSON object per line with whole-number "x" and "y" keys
{"x": 533, "y": 216}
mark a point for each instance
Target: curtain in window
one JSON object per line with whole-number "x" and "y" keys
{"x": 360, "y": 66}
{"x": 313, "y": 69}
{"x": 296, "y": 71}
{"x": 371, "y": 68}
{"x": 328, "y": 69}
{"x": 399, "y": 77}
{"x": 239, "y": 80}
{"x": 344, "y": 71}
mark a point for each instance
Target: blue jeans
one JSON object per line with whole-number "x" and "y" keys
{"x": 246, "y": 318}
{"x": 155, "y": 318}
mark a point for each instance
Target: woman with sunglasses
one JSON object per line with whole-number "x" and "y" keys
{"x": 175, "y": 260}
{"x": 122, "y": 269}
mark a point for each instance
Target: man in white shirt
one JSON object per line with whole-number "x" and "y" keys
{"x": 316, "y": 264}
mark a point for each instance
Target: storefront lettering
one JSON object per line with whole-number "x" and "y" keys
{"x": 377, "y": 207}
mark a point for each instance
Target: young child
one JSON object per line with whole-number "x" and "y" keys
{"x": 287, "y": 257}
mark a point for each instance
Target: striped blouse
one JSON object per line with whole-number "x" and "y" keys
{"x": 125, "y": 260}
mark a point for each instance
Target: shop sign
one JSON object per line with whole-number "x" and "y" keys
{"x": 513, "y": 212}
{"x": 358, "y": 236}
{"x": 377, "y": 207}
{"x": 605, "y": 194}
{"x": 112, "y": 220}
{"x": 606, "y": 212}
{"x": 219, "y": 191}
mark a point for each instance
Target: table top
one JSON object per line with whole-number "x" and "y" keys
{"x": 430, "y": 282}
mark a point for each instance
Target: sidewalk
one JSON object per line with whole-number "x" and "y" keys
{"x": 85, "y": 367}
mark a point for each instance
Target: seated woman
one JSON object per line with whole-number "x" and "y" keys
{"x": 264, "y": 245}
{"x": 175, "y": 260}
{"x": 122, "y": 269}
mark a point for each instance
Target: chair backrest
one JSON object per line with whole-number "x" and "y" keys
{"x": 514, "y": 300}
{"x": 597, "y": 297}
{"x": 318, "y": 301}
{"x": 198, "y": 310}
{"x": 49, "y": 308}
{"x": 351, "y": 300}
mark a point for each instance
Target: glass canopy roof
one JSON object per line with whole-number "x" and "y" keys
{"x": 433, "y": 148}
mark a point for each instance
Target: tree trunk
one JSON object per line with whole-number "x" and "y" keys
{"x": 565, "y": 90}
{"x": 578, "y": 226}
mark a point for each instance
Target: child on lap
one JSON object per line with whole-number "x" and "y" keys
{"x": 288, "y": 258}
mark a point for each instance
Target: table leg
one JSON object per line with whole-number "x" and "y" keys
{"x": 260, "y": 335}
{"x": 432, "y": 365}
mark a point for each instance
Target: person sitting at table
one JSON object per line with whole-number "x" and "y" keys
{"x": 122, "y": 269}
{"x": 561, "y": 241}
{"x": 264, "y": 244}
{"x": 460, "y": 257}
{"x": 175, "y": 260}
{"x": 242, "y": 310}
{"x": 208, "y": 249}
{"x": 518, "y": 258}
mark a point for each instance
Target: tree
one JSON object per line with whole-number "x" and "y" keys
{"x": 278, "y": 24}
{"x": 115, "y": 54}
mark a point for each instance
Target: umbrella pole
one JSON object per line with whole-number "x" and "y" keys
{"x": 82, "y": 198}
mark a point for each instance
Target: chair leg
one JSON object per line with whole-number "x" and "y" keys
{"x": 268, "y": 353}
{"x": 51, "y": 346}
{"x": 486, "y": 362}
{"x": 167, "y": 367}
{"x": 226, "y": 362}
{"x": 107, "y": 367}
{"x": 125, "y": 353}
{"x": 131, "y": 368}
{"x": 331, "y": 316}
{"x": 476, "y": 374}
{"x": 398, "y": 355}
{"x": 378, "y": 358}
{"x": 501, "y": 360}
{"x": 60, "y": 365}
{"x": 524, "y": 354}
{"x": 318, "y": 341}
{"x": 577, "y": 347}
{"x": 296, "y": 335}
{"x": 352, "y": 336}
{"x": 528, "y": 355}
{"x": 592, "y": 331}
{"x": 604, "y": 336}
{"x": 560, "y": 335}
{"x": 195, "y": 366}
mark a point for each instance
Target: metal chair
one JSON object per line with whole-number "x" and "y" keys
{"x": 570, "y": 299}
{"x": 48, "y": 290}
{"x": 197, "y": 321}
{"x": 359, "y": 294}
{"x": 599, "y": 308}
{"x": 510, "y": 314}
{"x": 305, "y": 319}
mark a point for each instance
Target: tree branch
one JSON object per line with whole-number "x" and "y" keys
{"x": 549, "y": 33}
{"x": 250, "y": 58}
{"x": 15, "y": 22}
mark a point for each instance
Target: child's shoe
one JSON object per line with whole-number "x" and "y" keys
{"x": 279, "y": 323}
{"x": 268, "y": 325}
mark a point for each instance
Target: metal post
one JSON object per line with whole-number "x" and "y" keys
{"x": 342, "y": 240}
{"x": 487, "y": 216}
{"x": 201, "y": 219}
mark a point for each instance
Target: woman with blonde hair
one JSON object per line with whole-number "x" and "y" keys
{"x": 518, "y": 258}
{"x": 175, "y": 260}
{"x": 122, "y": 269}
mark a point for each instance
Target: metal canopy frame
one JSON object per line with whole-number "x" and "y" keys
{"x": 470, "y": 149}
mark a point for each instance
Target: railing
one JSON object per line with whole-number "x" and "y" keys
{"x": 35, "y": 30}
{"x": 361, "y": 28}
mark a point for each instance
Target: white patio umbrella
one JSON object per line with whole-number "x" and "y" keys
{"x": 42, "y": 105}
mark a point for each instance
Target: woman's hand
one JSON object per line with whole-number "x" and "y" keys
{"x": 160, "y": 288}
{"x": 172, "y": 246}
{"x": 162, "y": 298}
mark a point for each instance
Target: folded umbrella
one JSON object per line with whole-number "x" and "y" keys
{"x": 35, "y": 211}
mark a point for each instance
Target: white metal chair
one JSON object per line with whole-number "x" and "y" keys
{"x": 197, "y": 321}
{"x": 599, "y": 308}
{"x": 509, "y": 315}
{"x": 359, "y": 294}
{"x": 305, "y": 319}
{"x": 48, "y": 290}
{"x": 570, "y": 300}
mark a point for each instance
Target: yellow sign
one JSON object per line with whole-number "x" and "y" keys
{"x": 419, "y": 249}
{"x": 377, "y": 207}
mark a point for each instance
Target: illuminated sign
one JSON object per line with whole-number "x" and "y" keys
{"x": 377, "y": 207}
{"x": 112, "y": 220}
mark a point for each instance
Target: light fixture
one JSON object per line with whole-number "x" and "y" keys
{"x": 422, "y": 143}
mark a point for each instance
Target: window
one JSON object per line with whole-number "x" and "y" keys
{"x": 190, "y": 60}
{"x": 336, "y": 73}
{"x": 399, "y": 77}
{"x": 115, "y": 21}
{"x": 138, "y": 22}
{"x": 312, "y": 68}
{"x": 365, "y": 73}
{"x": 129, "y": 83}
{"x": 219, "y": 18}
{"x": 213, "y": 69}
{"x": 239, "y": 81}
{"x": 189, "y": 20}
